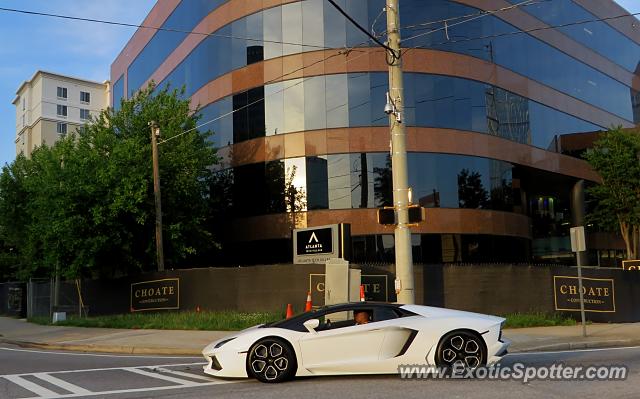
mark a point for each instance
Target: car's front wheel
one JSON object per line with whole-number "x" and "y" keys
{"x": 461, "y": 350}
{"x": 271, "y": 360}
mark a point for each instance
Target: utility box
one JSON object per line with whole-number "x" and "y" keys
{"x": 59, "y": 316}
{"x": 341, "y": 283}
{"x": 355, "y": 279}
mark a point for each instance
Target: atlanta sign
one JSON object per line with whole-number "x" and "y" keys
{"x": 319, "y": 244}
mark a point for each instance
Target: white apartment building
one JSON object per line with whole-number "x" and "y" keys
{"x": 50, "y": 105}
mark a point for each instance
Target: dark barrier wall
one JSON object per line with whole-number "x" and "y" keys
{"x": 13, "y": 299}
{"x": 494, "y": 289}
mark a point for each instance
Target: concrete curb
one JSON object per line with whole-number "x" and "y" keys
{"x": 564, "y": 346}
{"x": 116, "y": 349}
{"x": 139, "y": 350}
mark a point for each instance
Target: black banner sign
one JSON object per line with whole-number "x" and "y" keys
{"x": 311, "y": 242}
{"x": 631, "y": 265}
{"x": 155, "y": 295}
{"x": 598, "y": 294}
{"x": 375, "y": 287}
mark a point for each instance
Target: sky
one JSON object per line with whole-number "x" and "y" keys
{"x": 86, "y": 50}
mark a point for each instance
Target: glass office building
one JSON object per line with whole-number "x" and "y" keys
{"x": 295, "y": 95}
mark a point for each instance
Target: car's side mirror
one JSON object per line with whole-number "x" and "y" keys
{"x": 311, "y": 325}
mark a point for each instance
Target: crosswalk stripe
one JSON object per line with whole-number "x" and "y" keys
{"x": 160, "y": 376}
{"x": 183, "y": 374}
{"x": 30, "y": 386}
{"x": 62, "y": 384}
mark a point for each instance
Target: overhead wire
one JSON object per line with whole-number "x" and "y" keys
{"x": 345, "y": 51}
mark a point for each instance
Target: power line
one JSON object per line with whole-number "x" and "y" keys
{"x": 521, "y": 31}
{"x": 446, "y": 27}
{"x": 188, "y": 32}
{"x": 364, "y": 30}
{"x": 341, "y": 52}
{"x": 483, "y": 12}
{"x": 410, "y": 48}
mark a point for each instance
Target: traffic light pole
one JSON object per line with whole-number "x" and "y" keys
{"x": 404, "y": 258}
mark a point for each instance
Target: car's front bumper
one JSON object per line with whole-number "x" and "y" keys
{"x": 227, "y": 364}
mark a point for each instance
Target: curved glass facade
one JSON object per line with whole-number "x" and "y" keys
{"x": 357, "y": 99}
{"x": 184, "y": 18}
{"x": 598, "y": 36}
{"x": 363, "y": 180}
{"x": 314, "y": 23}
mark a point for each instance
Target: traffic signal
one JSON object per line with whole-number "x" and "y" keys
{"x": 417, "y": 214}
{"x": 387, "y": 215}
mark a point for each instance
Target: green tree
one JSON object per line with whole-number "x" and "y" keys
{"x": 86, "y": 206}
{"x": 616, "y": 158}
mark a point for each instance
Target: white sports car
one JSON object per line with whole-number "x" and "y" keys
{"x": 358, "y": 338}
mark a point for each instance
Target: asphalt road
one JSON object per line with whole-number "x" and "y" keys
{"x": 26, "y": 373}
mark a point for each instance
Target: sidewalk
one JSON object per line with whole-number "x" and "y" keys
{"x": 178, "y": 342}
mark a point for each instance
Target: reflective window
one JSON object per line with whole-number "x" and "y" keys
{"x": 317, "y": 183}
{"x": 294, "y": 99}
{"x": 118, "y": 92}
{"x": 292, "y": 28}
{"x": 343, "y": 181}
{"x": 598, "y": 36}
{"x": 357, "y": 99}
{"x": 521, "y": 53}
{"x": 272, "y": 32}
{"x": 307, "y": 24}
{"x": 184, "y": 18}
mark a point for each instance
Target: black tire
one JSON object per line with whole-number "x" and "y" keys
{"x": 271, "y": 360}
{"x": 461, "y": 349}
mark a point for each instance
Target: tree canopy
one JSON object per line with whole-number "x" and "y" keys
{"x": 616, "y": 158}
{"x": 86, "y": 205}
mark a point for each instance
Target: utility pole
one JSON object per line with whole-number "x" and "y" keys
{"x": 395, "y": 110}
{"x": 155, "y": 134}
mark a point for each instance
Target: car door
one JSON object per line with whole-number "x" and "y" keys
{"x": 344, "y": 348}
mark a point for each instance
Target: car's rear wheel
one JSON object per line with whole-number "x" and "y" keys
{"x": 460, "y": 350}
{"x": 271, "y": 360}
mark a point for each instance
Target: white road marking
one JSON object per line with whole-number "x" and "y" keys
{"x": 159, "y": 376}
{"x": 76, "y": 391}
{"x": 110, "y": 368}
{"x": 30, "y": 386}
{"x": 183, "y": 374}
{"x": 121, "y": 391}
{"x": 62, "y": 384}
{"x": 100, "y": 354}
{"x": 573, "y": 351}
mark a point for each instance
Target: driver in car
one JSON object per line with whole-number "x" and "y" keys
{"x": 361, "y": 316}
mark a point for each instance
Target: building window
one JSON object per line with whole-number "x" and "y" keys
{"x": 62, "y": 110}
{"x": 84, "y": 114}
{"x": 62, "y": 128}
{"x": 24, "y": 103}
{"x": 85, "y": 97}
{"x": 62, "y": 92}
{"x": 22, "y": 120}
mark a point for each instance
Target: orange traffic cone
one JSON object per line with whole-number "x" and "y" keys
{"x": 289, "y": 311}
{"x": 361, "y": 293}
{"x": 308, "y": 306}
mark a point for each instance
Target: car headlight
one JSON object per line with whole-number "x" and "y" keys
{"x": 224, "y": 341}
